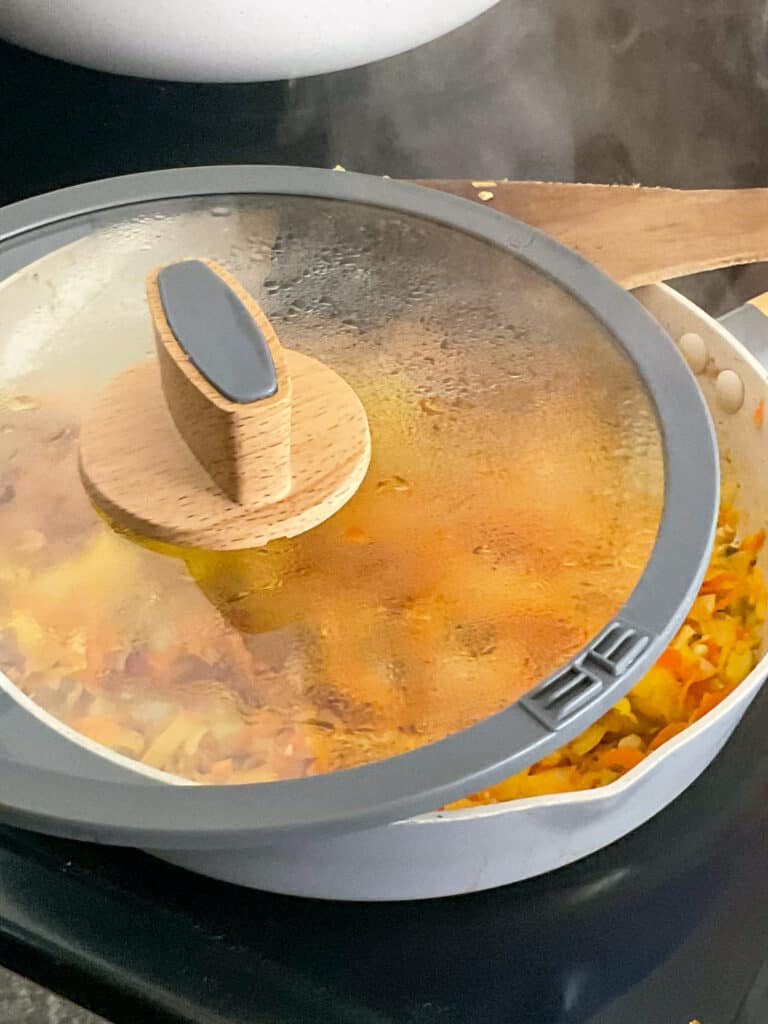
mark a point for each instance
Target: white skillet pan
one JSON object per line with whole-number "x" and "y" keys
{"x": 446, "y": 853}
{"x": 454, "y": 852}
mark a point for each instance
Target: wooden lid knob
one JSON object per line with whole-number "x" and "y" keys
{"x": 227, "y": 439}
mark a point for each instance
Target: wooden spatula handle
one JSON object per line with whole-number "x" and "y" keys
{"x": 636, "y": 235}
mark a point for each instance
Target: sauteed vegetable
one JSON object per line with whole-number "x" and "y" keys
{"x": 715, "y": 648}
{"x": 438, "y": 595}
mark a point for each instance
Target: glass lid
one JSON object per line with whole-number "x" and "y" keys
{"x": 511, "y": 561}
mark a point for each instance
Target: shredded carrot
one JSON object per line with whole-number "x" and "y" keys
{"x": 714, "y": 650}
{"x": 758, "y": 416}
{"x": 754, "y": 542}
{"x": 221, "y": 770}
{"x": 673, "y": 660}
{"x": 354, "y": 535}
{"x": 667, "y": 733}
{"x": 709, "y": 701}
{"x": 621, "y": 759}
{"x": 719, "y": 584}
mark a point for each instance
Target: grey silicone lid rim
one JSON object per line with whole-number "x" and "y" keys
{"x": 137, "y": 812}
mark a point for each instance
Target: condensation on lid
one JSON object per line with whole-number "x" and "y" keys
{"x": 513, "y": 499}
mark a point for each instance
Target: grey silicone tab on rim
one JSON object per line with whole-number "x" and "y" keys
{"x": 217, "y": 332}
{"x": 618, "y": 649}
{"x": 599, "y": 670}
{"x": 160, "y": 817}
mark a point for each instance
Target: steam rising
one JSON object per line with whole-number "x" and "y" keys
{"x": 659, "y": 92}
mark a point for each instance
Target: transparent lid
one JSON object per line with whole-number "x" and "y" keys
{"x": 513, "y": 498}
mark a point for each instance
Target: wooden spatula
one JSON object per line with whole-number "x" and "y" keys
{"x": 636, "y": 235}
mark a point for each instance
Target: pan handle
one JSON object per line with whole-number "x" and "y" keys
{"x": 749, "y": 325}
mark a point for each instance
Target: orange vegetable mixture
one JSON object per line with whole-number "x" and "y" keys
{"x": 405, "y": 617}
{"x": 438, "y": 595}
{"x": 715, "y": 648}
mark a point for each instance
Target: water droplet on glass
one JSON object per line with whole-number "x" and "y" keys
{"x": 394, "y": 485}
{"x": 431, "y": 405}
{"x": 22, "y": 403}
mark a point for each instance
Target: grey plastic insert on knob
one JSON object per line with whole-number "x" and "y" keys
{"x": 217, "y": 332}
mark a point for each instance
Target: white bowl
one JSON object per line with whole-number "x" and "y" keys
{"x": 228, "y": 40}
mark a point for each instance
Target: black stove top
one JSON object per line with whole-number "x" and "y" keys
{"x": 666, "y": 926}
